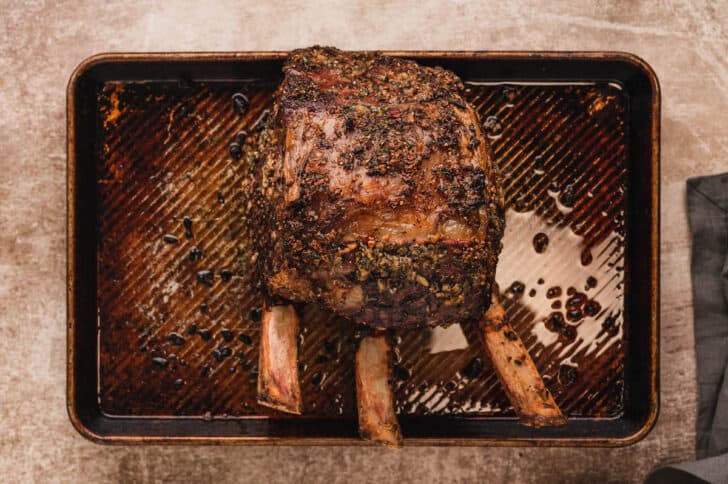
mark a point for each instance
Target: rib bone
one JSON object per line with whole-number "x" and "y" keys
{"x": 278, "y": 385}
{"x": 516, "y": 371}
{"x": 375, "y": 401}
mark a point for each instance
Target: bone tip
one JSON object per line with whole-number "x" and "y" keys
{"x": 538, "y": 421}
{"x": 287, "y": 407}
{"x": 390, "y": 438}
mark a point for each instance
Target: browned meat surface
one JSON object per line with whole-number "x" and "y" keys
{"x": 376, "y": 192}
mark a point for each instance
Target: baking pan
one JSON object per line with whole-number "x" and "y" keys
{"x": 159, "y": 351}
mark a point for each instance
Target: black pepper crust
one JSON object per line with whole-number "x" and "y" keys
{"x": 374, "y": 192}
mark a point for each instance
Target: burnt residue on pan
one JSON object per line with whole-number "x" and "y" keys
{"x": 179, "y": 320}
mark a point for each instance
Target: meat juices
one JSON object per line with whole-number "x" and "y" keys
{"x": 375, "y": 196}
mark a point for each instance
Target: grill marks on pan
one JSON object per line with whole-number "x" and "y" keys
{"x": 164, "y": 154}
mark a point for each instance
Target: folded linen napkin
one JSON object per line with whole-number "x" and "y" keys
{"x": 707, "y": 200}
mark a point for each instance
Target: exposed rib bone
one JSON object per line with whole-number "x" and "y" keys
{"x": 516, "y": 371}
{"x": 278, "y": 385}
{"x": 375, "y": 401}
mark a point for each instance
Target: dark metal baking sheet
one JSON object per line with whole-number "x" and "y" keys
{"x": 576, "y": 136}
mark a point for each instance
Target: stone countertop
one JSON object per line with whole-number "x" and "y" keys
{"x": 42, "y": 41}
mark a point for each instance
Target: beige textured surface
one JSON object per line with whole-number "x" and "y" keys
{"x": 40, "y": 44}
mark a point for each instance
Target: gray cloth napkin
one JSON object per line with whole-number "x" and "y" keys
{"x": 707, "y": 199}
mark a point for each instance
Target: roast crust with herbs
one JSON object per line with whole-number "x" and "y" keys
{"x": 374, "y": 192}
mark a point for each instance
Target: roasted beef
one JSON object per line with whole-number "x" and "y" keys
{"x": 374, "y": 193}
{"x": 377, "y": 190}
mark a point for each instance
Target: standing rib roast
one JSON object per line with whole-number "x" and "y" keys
{"x": 376, "y": 196}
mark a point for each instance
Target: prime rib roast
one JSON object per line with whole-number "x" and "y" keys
{"x": 376, "y": 196}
